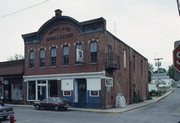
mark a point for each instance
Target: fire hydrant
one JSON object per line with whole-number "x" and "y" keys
{"x": 12, "y": 119}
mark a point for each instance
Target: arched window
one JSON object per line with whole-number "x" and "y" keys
{"x": 93, "y": 52}
{"x": 31, "y": 59}
{"x": 65, "y": 54}
{"x": 79, "y": 53}
{"x": 41, "y": 58}
{"x": 53, "y": 56}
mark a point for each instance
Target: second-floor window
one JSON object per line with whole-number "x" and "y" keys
{"x": 31, "y": 59}
{"x": 134, "y": 63}
{"x": 142, "y": 66}
{"x": 53, "y": 56}
{"x": 93, "y": 52}
{"x": 125, "y": 59}
{"x": 65, "y": 55}
{"x": 109, "y": 55}
{"x": 79, "y": 53}
{"x": 41, "y": 58}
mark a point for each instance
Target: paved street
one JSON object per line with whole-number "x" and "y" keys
{"x": 164, "y": 111}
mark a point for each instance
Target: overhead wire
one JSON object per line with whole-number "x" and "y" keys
{"x": 29, "y": 7}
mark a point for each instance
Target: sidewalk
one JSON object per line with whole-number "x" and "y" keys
{"x": 125, "y": 109}
{"x": 113, "y": 110}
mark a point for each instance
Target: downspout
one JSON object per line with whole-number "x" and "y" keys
{"x": 130, "y": 85}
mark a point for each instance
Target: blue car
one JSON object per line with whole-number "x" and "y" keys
{"x": 5, "y": 111}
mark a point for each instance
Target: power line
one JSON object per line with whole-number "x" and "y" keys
{"x": 12, "y": 13}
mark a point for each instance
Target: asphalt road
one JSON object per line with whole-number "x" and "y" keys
{"x": 164, "y": 111}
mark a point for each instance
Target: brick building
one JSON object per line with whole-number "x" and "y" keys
{"x": 83, "y": 62}
{"x": 11, "y": 81}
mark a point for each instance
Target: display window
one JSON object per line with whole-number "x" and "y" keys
{"x": 31, "y": 90}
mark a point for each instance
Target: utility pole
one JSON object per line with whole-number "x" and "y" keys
{"x": 178, "y": 6}
{"x": 158, "y": 63}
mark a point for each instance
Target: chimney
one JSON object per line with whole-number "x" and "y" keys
{"x": 58, "y": 12}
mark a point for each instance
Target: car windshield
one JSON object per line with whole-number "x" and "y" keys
{"x": 53, "y": 99}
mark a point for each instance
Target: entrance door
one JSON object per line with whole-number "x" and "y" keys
{"x": 41, "y": 92}
{"x": 82, "y": 92}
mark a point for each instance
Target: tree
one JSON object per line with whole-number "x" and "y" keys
{"x": 170, "y": 72}
{"x": 161, "y": 70}
{"x": 150, "y": 71}
{"x": 15, "y": 57}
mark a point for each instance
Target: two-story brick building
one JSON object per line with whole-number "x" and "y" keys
{"x": 83, "y": 62}
{"x": 11, "y": 81}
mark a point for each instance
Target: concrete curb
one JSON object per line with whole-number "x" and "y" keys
{"x": 125, "y": 109}
{"x": 114, "y": 110}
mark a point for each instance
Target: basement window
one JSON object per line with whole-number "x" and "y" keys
{"x": 66, "y": 93}
{"x": 94, "y": 93}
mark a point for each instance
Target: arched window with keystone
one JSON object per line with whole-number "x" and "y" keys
{"x": 93, "y": 52}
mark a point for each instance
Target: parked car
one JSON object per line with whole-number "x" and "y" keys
{"x": 5, "y": 111}
{"x": 55, "y": 103}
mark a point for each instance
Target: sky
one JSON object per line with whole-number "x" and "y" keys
{"x": 149, "y": 26}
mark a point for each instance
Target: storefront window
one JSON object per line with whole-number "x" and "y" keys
{"x": 1, "y": 91}
{"x": 31, "y": 90}
{"x": 16, "y": 92}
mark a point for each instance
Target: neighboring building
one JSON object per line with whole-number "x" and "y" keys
{"x": 82, "y": 62}
{"x": 164, "y": 80}
{"x": 11, "y": 81}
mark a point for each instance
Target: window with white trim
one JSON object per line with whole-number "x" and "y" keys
{"x": 79, "y": 53}
{"x": 31, "y": 59}
{"x": 125, "y": 59}
{"x": 53, "y": 56}
{"x": 94, "y": 93}
{"x": 41, "y": 58}
{"x": 65, "y": 54}
{"x": 93, "y": 52}
{"x": 66, "y": 93}
{"x": 31, "y": 90}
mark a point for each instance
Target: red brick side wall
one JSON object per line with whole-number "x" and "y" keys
{"x": 125, "y": 78}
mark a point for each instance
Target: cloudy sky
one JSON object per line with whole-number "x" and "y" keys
{"x": 148, "y": 26}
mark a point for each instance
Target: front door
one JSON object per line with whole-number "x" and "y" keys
{"x": 41, "y": 92}
{"x": 82, "y": 93}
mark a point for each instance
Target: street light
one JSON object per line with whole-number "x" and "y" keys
{"x": 158, "y": 63}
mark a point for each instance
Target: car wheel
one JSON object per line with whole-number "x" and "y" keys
{"x": 56, "y": 108}
{"x": 4, "y": 117}
{"x": 37, "y": 107}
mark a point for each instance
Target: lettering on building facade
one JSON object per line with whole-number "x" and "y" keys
{"x": 64, "y": 29}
